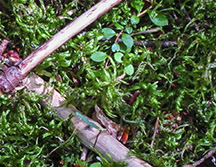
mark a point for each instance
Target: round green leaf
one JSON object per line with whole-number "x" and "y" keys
{"x": 99, "y": 56}
{"x": 137, "y": 4}
{"x": 118, "y": 56}
{"x": 127, "y": 40}
{"x": 135, "y": 19}
{"x": 108, "y": 32}
{"x": 118, "y": 26}
{"x": 124, "y": 22}
{"x": 158, "y": 18}
{"x": 129, "y": 30}
{"x": 129, "y": 69}
{"x": 96, "y": 164}
{"x": 115, "y": 47}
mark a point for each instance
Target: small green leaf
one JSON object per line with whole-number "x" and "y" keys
{"x": 124, "y": 22}
{"x": 119, "y": 26}
{"x": 63, "y": 55}
{"x": 99, "y": 56}
{"x": 108, "y": 32}
{"x": 135, "y": 20}
{"x": 127, "y": 40}
{"x": 22, "y": 1}
{"x": 118, "y": 56}
{"x": 96, "y": 164}
{"x": 138, "y": 5}
{"x": 47, "y": 134}
{"x": 129, "y": 30}
{"x": 65, "y": 63}
{"x": 158, "y": 18}
{"x": 124, "y": 48}
{"x": 115, "y": 47}
{"x": 129, "y": 69}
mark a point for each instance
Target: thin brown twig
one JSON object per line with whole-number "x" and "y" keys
{"x": 106, "y": 64}
{"x": 116, "y": 41}
{"x": 153, "y": 30}
{"x": 199, "y": 162}
{"x": 62, "y": 143}
{"x": 118, "y": 36}
{"x": 96, "y": 139}
{"x": 189, "y": 19}
{"x": 155, "y": 131}
{"x": 134, "y": 97}
{"x": 144, "y": 12}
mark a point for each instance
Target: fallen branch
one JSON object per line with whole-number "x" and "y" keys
{"x": 106, "y": 144}
{"x": 13, "y": 75}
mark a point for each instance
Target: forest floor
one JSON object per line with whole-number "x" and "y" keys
{"x": 150, "y": 66}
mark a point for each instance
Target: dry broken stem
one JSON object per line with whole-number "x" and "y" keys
{"x": 106, "y": 144}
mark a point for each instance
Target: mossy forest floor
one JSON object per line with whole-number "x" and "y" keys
{"x": 141, "y": 62}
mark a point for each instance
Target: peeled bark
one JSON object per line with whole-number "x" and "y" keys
{"x": 106, "y": 144}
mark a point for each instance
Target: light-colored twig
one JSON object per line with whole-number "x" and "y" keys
{"x": 145, "y": 11}
{"x": 188, "y": 18}
{"x": 199, "y": 162}
{"x": 3, "y": 46}
{"x": 62, "y": 143}
{"x": 155, "y": 131}
{"x": 153, "y": 30}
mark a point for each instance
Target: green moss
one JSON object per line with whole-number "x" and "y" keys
{"x": 175, "y": 82}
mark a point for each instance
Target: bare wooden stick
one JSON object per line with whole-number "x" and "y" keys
{"x": 3, "y": 46}
{"x": 199, "y": 162}
{"x": 106, "y": 144}
{"x": 155, "y": 131}
{"x": 65, "y": 34}
{"x": 7, "y": 83}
